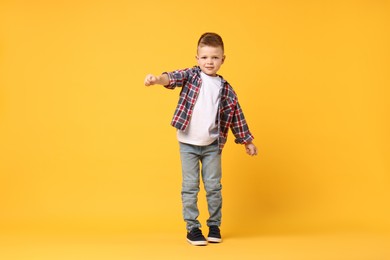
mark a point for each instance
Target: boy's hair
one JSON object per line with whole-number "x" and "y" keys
{"x": 210, "y": 39}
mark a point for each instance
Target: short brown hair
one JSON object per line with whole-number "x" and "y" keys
{"x": 210, "y": 39}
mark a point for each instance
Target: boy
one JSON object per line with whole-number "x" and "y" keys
{"x": 207, "y": 108}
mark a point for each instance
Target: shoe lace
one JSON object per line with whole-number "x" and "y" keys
{"x": 197, "y": 232}
{"x": 214, "y": 230}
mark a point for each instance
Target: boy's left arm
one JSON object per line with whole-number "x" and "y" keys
{"x": 241, "y": 131}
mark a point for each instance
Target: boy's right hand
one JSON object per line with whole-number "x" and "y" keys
{"x": 150, "y": 80}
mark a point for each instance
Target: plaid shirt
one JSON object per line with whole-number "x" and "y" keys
{"x": 230, "y": 114}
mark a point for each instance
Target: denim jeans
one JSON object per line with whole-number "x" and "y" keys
{"x": 209, "y": 158}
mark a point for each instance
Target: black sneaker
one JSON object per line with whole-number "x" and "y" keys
{"x": 196, "y": 238}
{"x": 214, "y": 235}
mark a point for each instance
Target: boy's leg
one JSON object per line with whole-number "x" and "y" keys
{"x": 211, "y": 175}
{"x": 189, "y": 155}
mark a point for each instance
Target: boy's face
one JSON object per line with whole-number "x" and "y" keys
{"x": 210, "y": 59}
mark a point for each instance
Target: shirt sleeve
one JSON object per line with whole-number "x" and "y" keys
{"x": 177, "y": 78}
{"x": 240, "y": 128}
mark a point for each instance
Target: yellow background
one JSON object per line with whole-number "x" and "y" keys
{"x": 85, "y": 147}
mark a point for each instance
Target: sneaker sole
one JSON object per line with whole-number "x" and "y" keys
{"x": 197, "y": 243}
{"x": 214, "y": 239}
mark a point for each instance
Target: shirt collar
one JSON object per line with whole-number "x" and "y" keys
{"x": 198, "y": 71}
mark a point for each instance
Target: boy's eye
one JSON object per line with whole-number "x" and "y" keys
{"x": 214, "y": 58}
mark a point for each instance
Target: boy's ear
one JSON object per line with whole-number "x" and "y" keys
{"x": 223, "y": 58}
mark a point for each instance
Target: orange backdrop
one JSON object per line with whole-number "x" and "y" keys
{"x": 85, "y": 146}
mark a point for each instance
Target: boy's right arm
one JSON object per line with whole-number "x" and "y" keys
{"x": 151, "y": 79}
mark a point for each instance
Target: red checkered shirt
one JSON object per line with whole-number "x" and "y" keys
{"x": 230, "y": 114}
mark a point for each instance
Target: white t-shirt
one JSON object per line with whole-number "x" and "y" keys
{"x": 202, "y": 129}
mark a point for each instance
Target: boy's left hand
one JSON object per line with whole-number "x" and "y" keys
{"x": 251, "y": 149}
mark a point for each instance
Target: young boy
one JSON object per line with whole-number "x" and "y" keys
{"x": 207, "y": 108}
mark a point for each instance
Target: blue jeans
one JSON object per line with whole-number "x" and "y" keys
{"x": 191, "y": 156}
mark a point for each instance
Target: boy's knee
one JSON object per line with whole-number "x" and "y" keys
{"x": 212, "y": 186}
{"x": 190, "y": 187}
